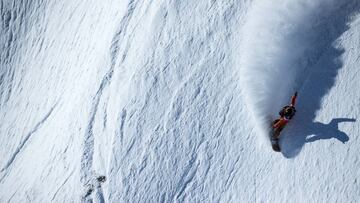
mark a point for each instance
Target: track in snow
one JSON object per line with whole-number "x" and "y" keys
{"x": 22, "y": 144}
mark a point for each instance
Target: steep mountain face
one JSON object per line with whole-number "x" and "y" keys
{"x": 167, "y": 101}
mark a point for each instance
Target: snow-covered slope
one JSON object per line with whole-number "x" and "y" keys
{"x": 168, "y": 100}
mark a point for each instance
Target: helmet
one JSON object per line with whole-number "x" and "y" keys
{"x": 289, "y": 112}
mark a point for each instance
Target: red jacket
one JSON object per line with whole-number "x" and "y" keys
{"x": 283, "y": 121}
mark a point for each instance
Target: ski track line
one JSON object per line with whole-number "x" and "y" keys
{"x": 224, "y": 119}
{"x": 62, "y": 185}
{"x": 12, "y": 196}
{"x": 190, "y": 172}
{"x": 122, "y": 124}
{"x": 231, "y": 176}
{"x": 124, "y": 113}
{"x": 24, "y": 141}
{"x": 100, "y": 194}
{"x": 87, "y": 156}
{"x": 187, "y": 177}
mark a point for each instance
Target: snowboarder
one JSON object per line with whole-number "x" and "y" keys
{"x": 286, "y": 114}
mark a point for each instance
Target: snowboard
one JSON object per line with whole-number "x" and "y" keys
{"x": 275, "y": 143}
{"x": 274, "y": 140}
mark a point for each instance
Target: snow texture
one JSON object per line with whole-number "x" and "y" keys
{"x": 170, "y": 101}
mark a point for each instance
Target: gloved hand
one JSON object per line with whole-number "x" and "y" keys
{"x": 296, "y": 93}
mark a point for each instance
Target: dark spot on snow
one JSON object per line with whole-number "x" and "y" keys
{"x": 101, "y": 179}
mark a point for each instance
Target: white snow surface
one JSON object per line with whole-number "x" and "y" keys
{"x": 171, "y": 100}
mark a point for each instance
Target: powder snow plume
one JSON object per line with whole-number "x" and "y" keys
{"x": 278, "y": 39}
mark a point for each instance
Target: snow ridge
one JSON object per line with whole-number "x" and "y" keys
{"x": 87, "y": 172}
{"x": 24, "y": 141}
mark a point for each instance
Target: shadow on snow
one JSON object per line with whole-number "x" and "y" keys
{"x": 324, "y": 62}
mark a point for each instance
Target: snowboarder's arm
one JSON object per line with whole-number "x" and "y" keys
{"x": 293, "y": 99}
